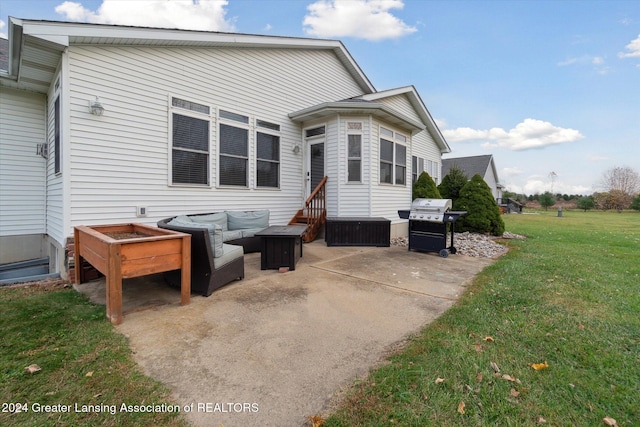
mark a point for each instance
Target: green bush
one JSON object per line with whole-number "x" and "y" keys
{"x": 425, "y": 188}
{"x": 452, "y": 183}
{"x": 586, "y": 203}
{"x": 483, "y": 213}
{"x": 635, "y": 205}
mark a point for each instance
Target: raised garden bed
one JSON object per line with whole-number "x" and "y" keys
{"x": 122, "y": 251}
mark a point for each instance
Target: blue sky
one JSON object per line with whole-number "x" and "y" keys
{"x": 546, "y": 86}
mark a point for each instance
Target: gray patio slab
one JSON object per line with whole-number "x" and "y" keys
{"x": 274, "y": 348}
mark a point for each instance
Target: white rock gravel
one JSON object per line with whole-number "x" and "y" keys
{"x": 472, "y": 244}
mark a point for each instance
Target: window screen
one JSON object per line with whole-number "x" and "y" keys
{"x": 234, "y": 156}
{"x": 268, "y": 160}
{"x": 190, "y": 150}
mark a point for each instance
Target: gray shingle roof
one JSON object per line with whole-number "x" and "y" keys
{"x": 470, "y": 165}
{"x": 4, "y": 54}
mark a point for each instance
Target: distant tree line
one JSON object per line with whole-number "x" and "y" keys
{"x": 621, "y": 191}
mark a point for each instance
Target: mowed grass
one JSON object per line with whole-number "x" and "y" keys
{"x": 83, "y": 361}
{"x": 569, "y": 296}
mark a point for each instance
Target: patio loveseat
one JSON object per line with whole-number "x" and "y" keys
{"x": 218, "y": 244}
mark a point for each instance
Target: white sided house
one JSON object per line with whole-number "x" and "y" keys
{"x": 111, "y": 124}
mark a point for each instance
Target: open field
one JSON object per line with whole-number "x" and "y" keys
{"x": 568, "y": 296}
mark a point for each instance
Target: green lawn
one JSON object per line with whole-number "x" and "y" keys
{"x": 83, "y": 361}
{"x": 569, "y": 296}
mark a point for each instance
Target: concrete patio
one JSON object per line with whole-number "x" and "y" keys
{"x": 274, "y": 348}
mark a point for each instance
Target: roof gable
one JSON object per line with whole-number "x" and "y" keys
{"x": 472, "y": 165}
{"x": 416, "y": 102}
{"x": 43, "y": 41}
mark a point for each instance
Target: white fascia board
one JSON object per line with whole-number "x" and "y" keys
{"x": 364, "y": 108}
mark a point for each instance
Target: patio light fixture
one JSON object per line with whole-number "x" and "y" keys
{"x": 296, "y": 149}
{"x": 96, "y": 107}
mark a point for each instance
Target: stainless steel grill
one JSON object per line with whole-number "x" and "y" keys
{"x": 429, "y": 221}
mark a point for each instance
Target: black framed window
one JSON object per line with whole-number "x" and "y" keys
{"x": 267, "y": 160}
{"x": 190, "y": 150}
{"x": 234, "y": 155}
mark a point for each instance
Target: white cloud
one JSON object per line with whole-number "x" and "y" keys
{"x": 365, "y": 19}
{"x": 633, "y": 49}
{"x": 510, "y": 171}
{"x": 537, "y": 186}
{"x": 2, "y": 33}
{"x": 596, "y": 158}
{"x": 598, "y": 63}
{"x": 205, "y": 15}
{"x": 531, "y": 133}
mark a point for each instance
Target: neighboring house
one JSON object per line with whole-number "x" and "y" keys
{"x": 193, "y": 122}
{"x": 480, "y": 165}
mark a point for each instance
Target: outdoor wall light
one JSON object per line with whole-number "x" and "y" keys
{"x": 296, "y": 149}
{"x": 96, "y": 107}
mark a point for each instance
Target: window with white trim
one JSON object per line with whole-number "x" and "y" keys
{"x": 354, "y": 151}
{"x": 267, "y": 154}
{"x": 393, "y": 157}
{"x": 233, "y": 142}
{"x": 189, "y": 143}
{"x": 417, "y": 167}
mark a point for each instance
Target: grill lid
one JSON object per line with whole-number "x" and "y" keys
{"x": 429, "y": 209}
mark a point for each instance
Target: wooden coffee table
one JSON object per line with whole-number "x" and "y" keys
{"x": 281, "y": 246}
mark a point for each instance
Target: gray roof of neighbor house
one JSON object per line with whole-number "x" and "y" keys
{"x": 4, "y": 54}
{"x": 470, "y": 165}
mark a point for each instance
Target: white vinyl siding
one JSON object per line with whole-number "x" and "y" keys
{"x": 56, "y": 200}
{"x": 120, "y": 160}
{"x": 22, "y": 170}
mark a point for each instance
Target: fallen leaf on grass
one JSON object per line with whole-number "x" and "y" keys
{"x": 478, "y": 348}
{"x": 479, "y": 377}
{"x": 539, "y": 366}
{"x": 541, "y": 420}
{"x": 89, "y": 374}
{"x": 316, "y": 421}
{"x": 514, "y": 392}
{"x": 32, "y": 369}
{"x": 488, "y": 339}
{"x": 439, "y": 380}
{"x": 610, "y": 421}
{"x": 461, "y": 406}
{"x": 494, "y": 366}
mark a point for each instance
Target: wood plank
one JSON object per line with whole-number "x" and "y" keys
{"x": 137, "y": 250}
{"x": 156, "y": 264}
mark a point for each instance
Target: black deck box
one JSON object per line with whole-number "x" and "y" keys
{"x": 357, "y": 231}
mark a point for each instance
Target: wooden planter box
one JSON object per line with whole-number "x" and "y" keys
{"x": 122, "y": 251}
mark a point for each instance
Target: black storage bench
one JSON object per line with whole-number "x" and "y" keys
{"x": 357, "y": 231}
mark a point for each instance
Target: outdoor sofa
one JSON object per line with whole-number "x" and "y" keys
{"x": 218, "y": 244}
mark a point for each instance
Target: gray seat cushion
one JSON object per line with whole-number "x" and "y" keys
{"x": 214, "y": 218}
{"x": 242, "y": 220}
{"x": 214, "y": 230}
{"x": 231, "y": 252}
